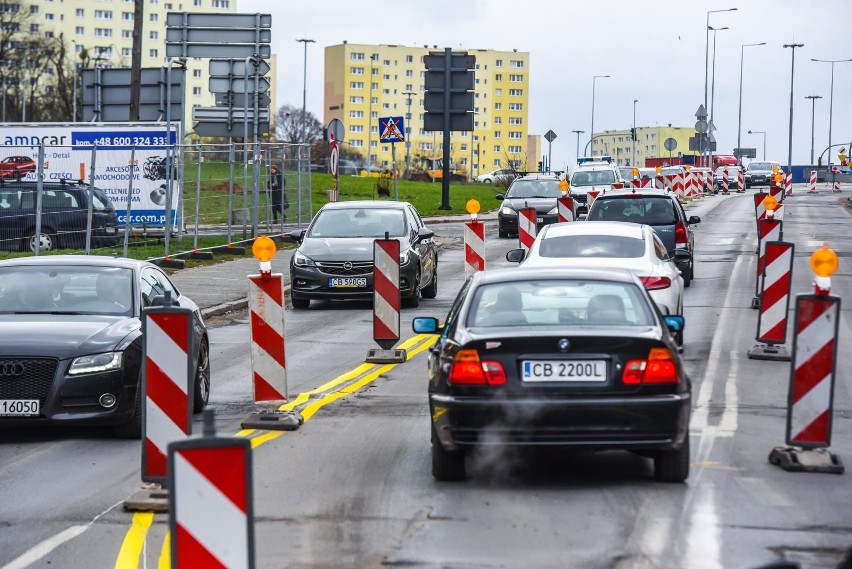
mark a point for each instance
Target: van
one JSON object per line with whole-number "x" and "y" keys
{"x": 592, "y": 174}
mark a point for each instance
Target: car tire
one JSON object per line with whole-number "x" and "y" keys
{"x": 132, "y": 429}
{"x": 413, "y": 301}
{"x": 447, "y": 465}
{"x": 672, "y": 465}
{"x": 300, "y": 303}
{"x": 48, "y": 241}
{"x": 201, "y": 385}
{"x": 487, "y": 181}
{"x": 431, "y": 291}
{"x": 502, "y": 234}
{"x": 687, "y": 280}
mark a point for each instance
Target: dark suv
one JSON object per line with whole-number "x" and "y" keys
{"x": 530, "y": 190}
{"x": 662, "y": 211}
{"x": 64, "y": 216}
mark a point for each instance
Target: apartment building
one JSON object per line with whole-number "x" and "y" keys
{"x": 649, "y": 143}
{"x": 100, "y": 33}
{"x": 366, "y": 82}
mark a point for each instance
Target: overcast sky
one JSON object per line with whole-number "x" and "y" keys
{"x": 652, "y": 49}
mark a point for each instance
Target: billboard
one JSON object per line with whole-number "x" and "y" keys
{"x": 70, "y": 150}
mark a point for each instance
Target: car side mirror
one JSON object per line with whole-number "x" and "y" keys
{"x": 425, "y": 325}
{"x": 297, "y": 235}
{"x": 516, "y": 255}
{"x": 500, "y": 197}
{"x": 164, "y": 300}
{"x": 425, "y": 233}
{"x": 674, "y": 323}
{"x": 693, "y": 219}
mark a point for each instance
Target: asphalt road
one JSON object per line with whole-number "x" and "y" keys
{"x": 352, "y": 487}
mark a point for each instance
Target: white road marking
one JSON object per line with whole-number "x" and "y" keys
{"x": 728, "y": 423}
{"x": 702, "y": 540}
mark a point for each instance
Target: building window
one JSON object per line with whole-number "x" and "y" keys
{"x": 498, "y": 106}
{"x": 409, "y": 73}
{"x": 356, "y": 84}
{"x": 516, "y": 78}
{"x": 498, "y": 120}
{"x": 356, "y": 55}
{"x": 386, "y": 63}
{"x": 498, "y": 134}
{"x": 221, "y": 3}
{"x": 196, "y": 3}
{"x": 516, "y": 92}
{"x": 356, "y": 143}
{"x": 153, "y": 53}
{"x": 497, "y": 148}
{"x": 103, "y": 32}
{"x": 79, "y": 30}
{"x": 356, "y": 114}
{"x": 80, "y": 13}
{"x": 126, "y": 52}
{"x": 33, "y": 9}
{"x": 498, "y": 92}
{"x": 499, "y": 63}
{"x": 515, "y": 134}
{"x": 152, "y": 17}
{"x": 34, "y": 28}
{"x": 409, "y": 59}
{"x": 103, "y": 14}
{"x": 516, "y": 120}
{"x": 516, "y": 64}
{"x": 153, "y": 35}
{"x": 463, "y": 147}
{"x": 196, "y": 91}
{"x": 356, "y": 128}
{"x": 356, "y": 100}
{"x": 126, "y": 34}
{"x": 48, "y": 17}
{"x": 516, "y": 106}
{"x": 516, "y": 149}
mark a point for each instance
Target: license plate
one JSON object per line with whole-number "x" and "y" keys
{"x": 564, "y": 370}
{"x": 539, "y": 220}
{"x": 347, "y": 282}
{"x": 110, "y": 229}
{"x": 18, "y": 407}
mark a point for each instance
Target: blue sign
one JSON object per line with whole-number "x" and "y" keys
{"x": 391, "y": 129}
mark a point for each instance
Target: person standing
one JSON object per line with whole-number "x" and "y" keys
{"x": 277, "y": 186}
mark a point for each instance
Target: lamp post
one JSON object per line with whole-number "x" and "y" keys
{"x": 792, "y": 47}
{"x": 707, "y": 49}
{"x": 830, "y": 96}
{"x": 592, "y": 135}
{"x": 408, "y": 95}
{"x": 712, "y": 126}
{"x": 813, "y": 99}
{"x": 740, "y": 111}
{"x": 763, "y": 132}
{"x": 578, "y": 132}
{"x": 633, "y": 159}
{"x": 305, "y": 79}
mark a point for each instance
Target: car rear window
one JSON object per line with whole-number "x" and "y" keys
{"x": 534, "y": 189}
{"x": 607, "y": 246}
{"x": 559, "y": 302}
{"x": 648, "y": 210}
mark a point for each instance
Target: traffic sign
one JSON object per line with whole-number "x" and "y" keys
{"x": 336, "y": 128}
{"x": 237, "y": 130}
{"x": 701, "y": 113}
{"x": 226, "y": 67}
{"x": 207, "y": 20}
{"x": 701, "y": 126}
{"x": 217, "y": 35}
{"x": 238, "y": 85}
{"x": 550, "y": 136}
{"x": 235, "y": 50}
{"x": 239, "y": 99}
{"x": 222, "y": 114}
{"x": 670, "y": 144}
{"x": 745, "y": 152}
{"x": 391, "y": 129}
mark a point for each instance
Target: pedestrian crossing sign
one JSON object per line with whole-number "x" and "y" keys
{"x": 391, "y": 129}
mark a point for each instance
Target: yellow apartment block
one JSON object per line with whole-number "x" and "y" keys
{"x": 649, "y": 144}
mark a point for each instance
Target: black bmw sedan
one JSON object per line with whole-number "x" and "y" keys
{"x": 569, "y": 358}
{"x": 71, "y": 340}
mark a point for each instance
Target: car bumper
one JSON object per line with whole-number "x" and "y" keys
{"x": 312, "y": 283}
{"x": 509, "y": 223}
{"x": 616, "y": 422}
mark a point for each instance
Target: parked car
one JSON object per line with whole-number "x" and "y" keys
{"x": 610, "y": 244}
{"x": 64, "y": 216}
{"x": 555, "y": 358}
{"x": 344, "y": 167}
{"x": 662, "y": 211}
{"x": 732, "y": 174}
{"x": 71, "y": 340}
{"x": 16, "y": 166}
{"x": 500, "y": 176}
{"x": 539, "y": 191}
{"x": 760, "y": 173}
{"x": 334, "y": 260}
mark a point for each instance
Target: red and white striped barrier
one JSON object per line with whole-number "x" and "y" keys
{"x": 167, "y": 386}
{"x": 693, "y": 184}
{"x": 774, "y": 303}
{"x": 740, "y": 181}
{"x": 759, "y": 209}
{"x": 812, "y": 182}
{"x": 776, "y": 192}
{"x": 386, "y": 294}
{"x": 812, "y": 372}
{"x": 768, "y": 230}
{"x": 268, "y": 359}
{"x": 565, "y": 209}
{"x": 788, "y": 183}
{"x": 724, "y": 181}
{"x": 708, "y": 181}
{"x": 211, "y": 502}
{"x": 636, "y": 183}
{"x": 591, "y": 197}
{"x": 474, "y": 247}
{"x": 835, "y": 187}
{"x": 660, "y": 182}
{"x": 527, "y": 228}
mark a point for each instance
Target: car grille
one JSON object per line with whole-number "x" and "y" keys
{"x": 32, "y": 382}
{"x": 338, "y": 268}
{"x": 580, "y": 198}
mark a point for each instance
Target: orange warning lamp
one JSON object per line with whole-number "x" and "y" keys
{"x": 770, "y": 203}
{"x": 688, "y": 167}
{"x": 263, "y": 250}
{"x": 472, "y": 207}
{"x": 823, "y": 264}
{"x": 779, "y": 178}
{"x": 659, "y": 169}
{"x": 563, "y": 186}
{"x": 635, "y": 172}
{"x": 775, "y": 169}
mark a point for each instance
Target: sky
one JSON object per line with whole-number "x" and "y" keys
{"x": 653, "y": 50}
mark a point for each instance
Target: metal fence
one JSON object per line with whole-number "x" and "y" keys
{"x": 79, "y": 200}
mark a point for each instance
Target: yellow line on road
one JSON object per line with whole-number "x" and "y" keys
{"x": 134, "y": 541}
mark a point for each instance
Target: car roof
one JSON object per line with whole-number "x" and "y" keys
{"x": 633, "y": 192}
{"x": 619, "y": 228}
{"x": 76, "y": 260}
{"x": 538, "y": 176}
{"x": 370, "y": 204}
{"x": 524, "y": 274}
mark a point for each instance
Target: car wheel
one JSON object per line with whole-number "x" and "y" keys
{"x": 201, "y": 387}
{"x": 300, "y": 303}
{"x": 447, "y": 465}
{"x": 47, "y": 242}
{"x": 687, "y": 280}
{"x": 431, "y": 291}
{"x": 487, "y": 181}
{"x": 502, "y": 234}
{"x": 132, "y": 429}
{"x": 672, "y": 465}
{"x": 413, "y": 301}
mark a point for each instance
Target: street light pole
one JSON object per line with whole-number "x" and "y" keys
{"x": 707, "y": 50}
{"x": 792, "y": 47}
{"x": 578, "y": 132}
{"x": 410, "y": 94}
{"x": 813, "y": 99}
{"x": 305, "y": 78}
{"x": 831, "y": 96}
{"x": 763, "y": 132}
{"x": 633, "y": 159}
{"x": 712, "y": 125}
{"x": 740, "y": 111}
{"x": 595, "y": 78}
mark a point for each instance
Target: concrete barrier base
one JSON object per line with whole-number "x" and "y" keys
{"x": 230, "y": 250}
{"x": 755, "y": 302}
{"x": 767, "y": 352}
{"x": 170, "y": 263}
{"x": 376, "y": 356}
{"x": 150, "y": 498}
{"x": 794, "y": 459}
{"x": 273, "y": 420}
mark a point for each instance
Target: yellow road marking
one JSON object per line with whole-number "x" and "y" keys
{"x": 128, "y": 555}
{"x": 134, "y": 541}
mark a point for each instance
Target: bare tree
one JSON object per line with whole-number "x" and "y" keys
{"x": 294, "y": 126}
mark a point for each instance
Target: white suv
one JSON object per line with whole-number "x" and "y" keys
{"x": 592, "y": 175}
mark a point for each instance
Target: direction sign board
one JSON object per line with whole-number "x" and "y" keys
{"x": 745, "y": 152}
{"x": 700, "y": 144}
{"x": 670, "y": 144}
{"x": 701, "y": 113}
{"x": 226, "y": 67}
{"x": 550, "y": 136}
{"x": 239, "y": 99}
{"x": 221, "y": 114}
{"x": 238, "y": 85}
{"x": 237, "y": 130}
{"x": 391, "y": 129}
{"x": 459, "y": 102}
{"x": 458, "y": 121}
{"x": 217, "y": 35}
{"x": 106, "y": 94}
{"x": 234, "y": 50}
{"x": 216, "y": 20}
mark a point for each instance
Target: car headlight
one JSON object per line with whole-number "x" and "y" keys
{"x": 508, "y": 211}
{"x": 405, "y": 257}
{"x": 301, "y": 260}
{"x": 552, "y": 212}
{"x": 96, "y": 363}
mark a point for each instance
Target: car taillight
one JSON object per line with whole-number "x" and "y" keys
{"x": 468, "y": 369}
{"x": 656, "y": 283}
{"x": 680, "y": 233}
{"x": 658, "y": 368}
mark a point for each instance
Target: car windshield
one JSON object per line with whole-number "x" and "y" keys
{"x": 66, "y": 289}
{"x": 606, "y": 246}
{"x": 358, "y": 222}
{"x": 534, "y": 189}
{"x": 760, "y": 166}
{"x": 559, "y": 303}
{"x": 99, "y": 200}
{"x": 593, "y": 178}
{"x": 648, "y": 210}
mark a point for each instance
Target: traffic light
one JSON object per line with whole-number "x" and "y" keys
{"x": 632, "y": 134}
{"x": 449, "y": 87}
